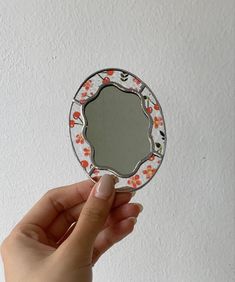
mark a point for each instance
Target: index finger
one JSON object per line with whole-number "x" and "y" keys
{"x": 56, "y": 201}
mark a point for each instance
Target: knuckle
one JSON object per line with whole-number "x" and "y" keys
{"x": 8, "y": 243}
{"x": 4, "y": 247}
{"x": 50, "y": 192}
{"x": 12, "y": 240}
{"x": 53, "y": 197}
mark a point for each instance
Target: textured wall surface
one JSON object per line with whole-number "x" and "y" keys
{"x": 184, "y": 50}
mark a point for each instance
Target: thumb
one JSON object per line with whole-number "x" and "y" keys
{"x": 92, "y": 218}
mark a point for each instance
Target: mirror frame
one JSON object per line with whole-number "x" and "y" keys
{"x": 127, "y": 82}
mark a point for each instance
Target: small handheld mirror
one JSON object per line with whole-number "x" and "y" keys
{"x": 117, "y": 127}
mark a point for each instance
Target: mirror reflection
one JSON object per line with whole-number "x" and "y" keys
{"x": 117, "y": 130}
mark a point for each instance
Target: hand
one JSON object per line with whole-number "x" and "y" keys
{"x": 66, "y": 232}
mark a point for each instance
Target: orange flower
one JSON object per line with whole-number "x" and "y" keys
{"x": 79, "y": 139}
{"x": 149, "y": 171}
{"x": 157, "y": 122}
{"x": 134, "y": 181}
{"x": 87, "y": 151}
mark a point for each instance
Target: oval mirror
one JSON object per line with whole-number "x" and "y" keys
{"x": 117, "y": 127}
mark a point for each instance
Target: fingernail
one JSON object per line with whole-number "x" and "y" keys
{"x": 105, "y": 187}
{"x": 140, "y": 207}
{"x": 125, "y": 189}
{"x": 133, "y": 219}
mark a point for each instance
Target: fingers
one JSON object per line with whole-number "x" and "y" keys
{"x": 56, "y": 201}
{"x": 112, "y": 235}
{"x": 121, "y": 198}
{"x": 94, "y": 214}
{"x": 61, "y": 224}
{"x": 123, "y": 212}
{"x": 119, "y": 224}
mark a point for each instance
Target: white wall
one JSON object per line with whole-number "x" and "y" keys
{"x": 184, "y": 50}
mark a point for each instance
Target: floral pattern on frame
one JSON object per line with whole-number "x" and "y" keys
{"x": 89, "y": 89}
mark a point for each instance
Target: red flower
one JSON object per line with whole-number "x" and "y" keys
{"x": 110, "y": 72}
{"x": 151, "y": 158}
{"x": 84, "y": 94}
{"x": 149, "y": 171}
{"x": 157, "y": 122}
{"x": 79, "y": 139}
{"x": 137, "y": 81}
{"x": 82, "y": 101}
{"x": 156, "y": 107}
{"x": 71, "y": 123}
{"x": 87, "y": 151}
{"x": 76, "y": 115}
{"x": 87, "y": 84}
{"x": 106, "y": 80}
{"x": 149, "y": 110}
{"x": 84, "y": 163}
{"x": 134, "y": 181}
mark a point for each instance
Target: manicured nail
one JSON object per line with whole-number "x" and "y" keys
{"x": 133, "y": 219}
{"x": 140, "y": 207}
{"x": 125, "y": 189}
{"x": 105, "y": 187}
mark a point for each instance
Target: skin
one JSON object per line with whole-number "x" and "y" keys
{"x": 65, "y": 233}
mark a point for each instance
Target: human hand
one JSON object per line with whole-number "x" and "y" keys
{"x": 66, "y": 232}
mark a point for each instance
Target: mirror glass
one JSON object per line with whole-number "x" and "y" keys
{"x": 117, "y": 130}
